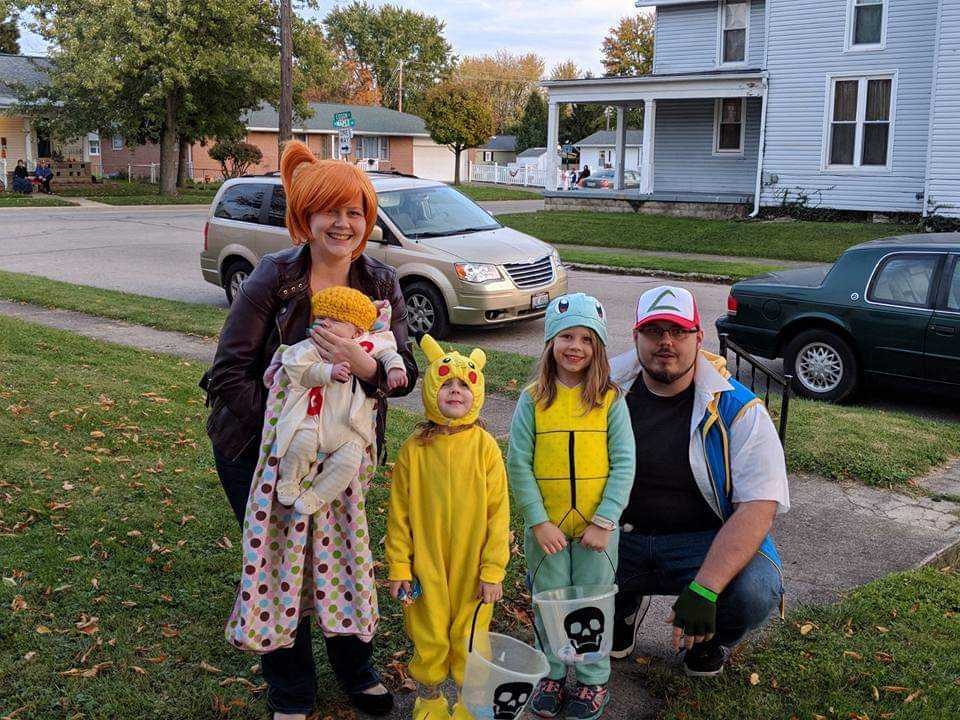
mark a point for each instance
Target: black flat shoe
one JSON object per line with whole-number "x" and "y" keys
{"x": 376, "y": 705}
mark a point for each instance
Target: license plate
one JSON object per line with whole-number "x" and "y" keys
{"x": 540, "y": 300}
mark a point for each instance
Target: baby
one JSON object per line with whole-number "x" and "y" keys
{"x": 323, "y": 411}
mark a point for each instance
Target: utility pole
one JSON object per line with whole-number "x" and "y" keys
{"x": 400, "y": 107}
{"x": 286, "y": 76}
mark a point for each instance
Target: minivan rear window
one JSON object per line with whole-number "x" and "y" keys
{"x": 278, "y": 208}
{"x": 242, "y": 202}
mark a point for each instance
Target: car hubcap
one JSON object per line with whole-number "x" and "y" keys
{"x": 236, "y": 280}
{"x": 819, "y": 367}
{"x": 420, "y": 313}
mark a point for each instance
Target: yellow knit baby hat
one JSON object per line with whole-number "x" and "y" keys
{"x": 444, "y": 366}
{"x": 346, "y": 305}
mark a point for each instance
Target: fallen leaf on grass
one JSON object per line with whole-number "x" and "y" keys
{"x": 88, "y": 625}
{"x": 882, "y": 629}
{"x": 754, "y": 679}
{"x": 852, "y": 654}
{"x": 42, "y": 630}
{"x": 894, "y": 688}
{"x": 169, "y": 632}
{"x": 18, "y": 603}
{"x": 224, "y": 543}
{"x": 86, "y": 672}
{"x": 30, "y": 656}
{"x": 204, "y": 665}
{"x": 875, "y": 693}
{"x": 806, "y": 628}
{"x": 138, "y": 670}
{"x": 912, "y": 696}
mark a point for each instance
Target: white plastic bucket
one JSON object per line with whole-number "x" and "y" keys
{"x": 578, "y": 621}
{"x": 500, "y": 676}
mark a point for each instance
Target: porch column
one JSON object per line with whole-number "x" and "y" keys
{"x": 27, "y": 143}
{"x": 646, "y": 166}
{"x": 553, "y": 133}
{"x": 620, "y": 148}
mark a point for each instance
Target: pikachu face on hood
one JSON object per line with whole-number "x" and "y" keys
{"x": 443, "y": 367}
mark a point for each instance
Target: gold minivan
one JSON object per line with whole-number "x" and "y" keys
{"x": 457, "y": 265}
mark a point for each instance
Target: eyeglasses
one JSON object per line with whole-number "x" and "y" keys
{"x": 655, "y": 332}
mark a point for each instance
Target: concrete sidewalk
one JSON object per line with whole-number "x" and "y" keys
{"x": 835, "y": 537}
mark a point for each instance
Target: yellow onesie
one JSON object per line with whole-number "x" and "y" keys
{"x": 449, "y": 525}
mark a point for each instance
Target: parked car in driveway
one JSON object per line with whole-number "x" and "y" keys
{"x": 606, "y": 179}
{"x": 457, "y": 264}
{"x": 885, "y": 310}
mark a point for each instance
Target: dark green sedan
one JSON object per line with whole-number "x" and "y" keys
{"x": 885, "y": 310}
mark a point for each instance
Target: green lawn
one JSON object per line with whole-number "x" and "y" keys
{"x": 817, "y": 241}
{"x": 155, "y": 199}
{"x": 728, "y": 271}
{"x": 488, "y": 192}
{"x": 126, "y": 188}
{"x": 889, "y": 650}
{"x": 118, "y": 558}
{"x": 876, "y": 447}
{"x": 17, "y": 200}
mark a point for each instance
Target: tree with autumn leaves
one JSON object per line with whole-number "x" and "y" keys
{"x": 459, "y": 117}
{"x": 628, "y": 49}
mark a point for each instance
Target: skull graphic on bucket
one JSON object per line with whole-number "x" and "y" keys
{"x": 500, "y": 674}
{"x": 578, "y": 621}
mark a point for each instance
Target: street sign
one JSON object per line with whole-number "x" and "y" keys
{"x": 346, "y": 135}
{"x": 343, "y": 120}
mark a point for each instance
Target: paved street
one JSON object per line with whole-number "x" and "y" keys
{"x": 155, "y": 251}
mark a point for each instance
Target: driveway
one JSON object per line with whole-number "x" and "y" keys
{"x": 155, "y": 251}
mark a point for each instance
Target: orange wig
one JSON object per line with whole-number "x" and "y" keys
{"x": 313, "y": 185}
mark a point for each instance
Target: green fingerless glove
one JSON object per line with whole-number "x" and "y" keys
{"x": 696, "y": 611}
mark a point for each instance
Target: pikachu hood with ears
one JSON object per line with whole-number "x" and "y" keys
{"x": 444, "y": 366}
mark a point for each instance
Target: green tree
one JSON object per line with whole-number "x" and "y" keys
{"x": 156, "y": 69}
{"x": 9, "y": 30}
{"x": 532, "y": 130}
{"x": 382, "y": 39}
{"x": 458, "y": 117}
{"x": 235, "y": 157}
{"x": 628, "y": 49}
{"x": 582, "y": 120}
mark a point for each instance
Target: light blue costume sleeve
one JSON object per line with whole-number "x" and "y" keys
{"x": 523, "y": 484}
{"x": 621, "y": 451}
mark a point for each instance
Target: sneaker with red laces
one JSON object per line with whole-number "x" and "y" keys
{"x": 547, "y": 701}
{"x": 587, "y": 702}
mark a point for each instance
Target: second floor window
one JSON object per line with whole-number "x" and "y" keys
{"x": 866, "y": 24}
{"x": 861, "y": 122}
{"x": 734, "y": 20}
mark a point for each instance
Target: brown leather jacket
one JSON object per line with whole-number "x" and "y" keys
{"x": 273, "y": 308}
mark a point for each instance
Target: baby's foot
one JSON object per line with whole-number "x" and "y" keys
{"x": 287, "y": 490}
{"x": 308, "y": 502}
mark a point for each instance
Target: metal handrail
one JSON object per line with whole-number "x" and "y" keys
{"x": 784, "y": 381}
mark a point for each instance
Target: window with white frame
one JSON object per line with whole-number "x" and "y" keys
{"x": 866, "y": 24}
{"x": 117, "y": 142}
{"x": 734, "y": 24}
{"x": 729, "y": 127}
{"x": 488, "y": 155}
{"x": 860, "y": 128}
{"x": 94, "y": 145}
{"x": 373, "y": 146}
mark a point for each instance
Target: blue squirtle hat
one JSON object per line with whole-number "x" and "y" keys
{"x": 575, "y": 310}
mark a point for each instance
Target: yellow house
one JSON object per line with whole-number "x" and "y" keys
{"x": 19, "y": 140}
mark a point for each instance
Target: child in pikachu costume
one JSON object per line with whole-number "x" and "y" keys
{"x": 448, "y": 527}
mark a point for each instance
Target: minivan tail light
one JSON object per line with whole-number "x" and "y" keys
{"x": 732, "y": 305}
{"x": 206, "y": 229}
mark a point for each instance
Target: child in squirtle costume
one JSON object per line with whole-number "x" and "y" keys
{"x": 449, "y": 525}
{"x": 571, "y": 465}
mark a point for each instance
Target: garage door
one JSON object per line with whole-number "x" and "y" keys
{"x": 435, "y": 162}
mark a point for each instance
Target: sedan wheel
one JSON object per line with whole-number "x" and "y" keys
{"x": 822, "y": 364}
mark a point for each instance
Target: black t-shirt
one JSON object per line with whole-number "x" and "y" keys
{"x": 665, "y": 498}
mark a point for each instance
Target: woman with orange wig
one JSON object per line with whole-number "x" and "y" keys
{"x": 331, "y": 211}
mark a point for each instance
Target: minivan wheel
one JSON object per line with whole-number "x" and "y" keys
{"x": 233, "y": 277}
{"x": 426, "y": 311}
{"x": 823, "y": 366}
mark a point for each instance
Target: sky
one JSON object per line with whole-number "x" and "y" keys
{"x": 557, "y": 31}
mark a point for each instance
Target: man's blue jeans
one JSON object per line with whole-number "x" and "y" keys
{"x": 665, "y": 564}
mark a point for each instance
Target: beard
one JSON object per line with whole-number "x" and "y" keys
{"x": 667, "y": 378}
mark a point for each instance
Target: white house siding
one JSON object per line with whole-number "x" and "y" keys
{"x": 591, "y": 156}
{"x": 683, "y": 150}
{"x": 807, "y": 41}
{"x": 944, "y": 179}
{"x": 686, "y": 37}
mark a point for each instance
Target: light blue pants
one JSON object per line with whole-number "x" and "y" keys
{"x": 574, "y": 565}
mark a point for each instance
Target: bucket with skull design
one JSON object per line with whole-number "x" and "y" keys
{"x": 500, "y": 675}
{"x": 578, "y": 621}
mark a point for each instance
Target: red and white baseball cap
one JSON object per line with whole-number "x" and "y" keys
{"x": 670, "y": 303}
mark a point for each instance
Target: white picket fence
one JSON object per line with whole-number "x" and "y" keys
{"x": 528, "y": 175}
